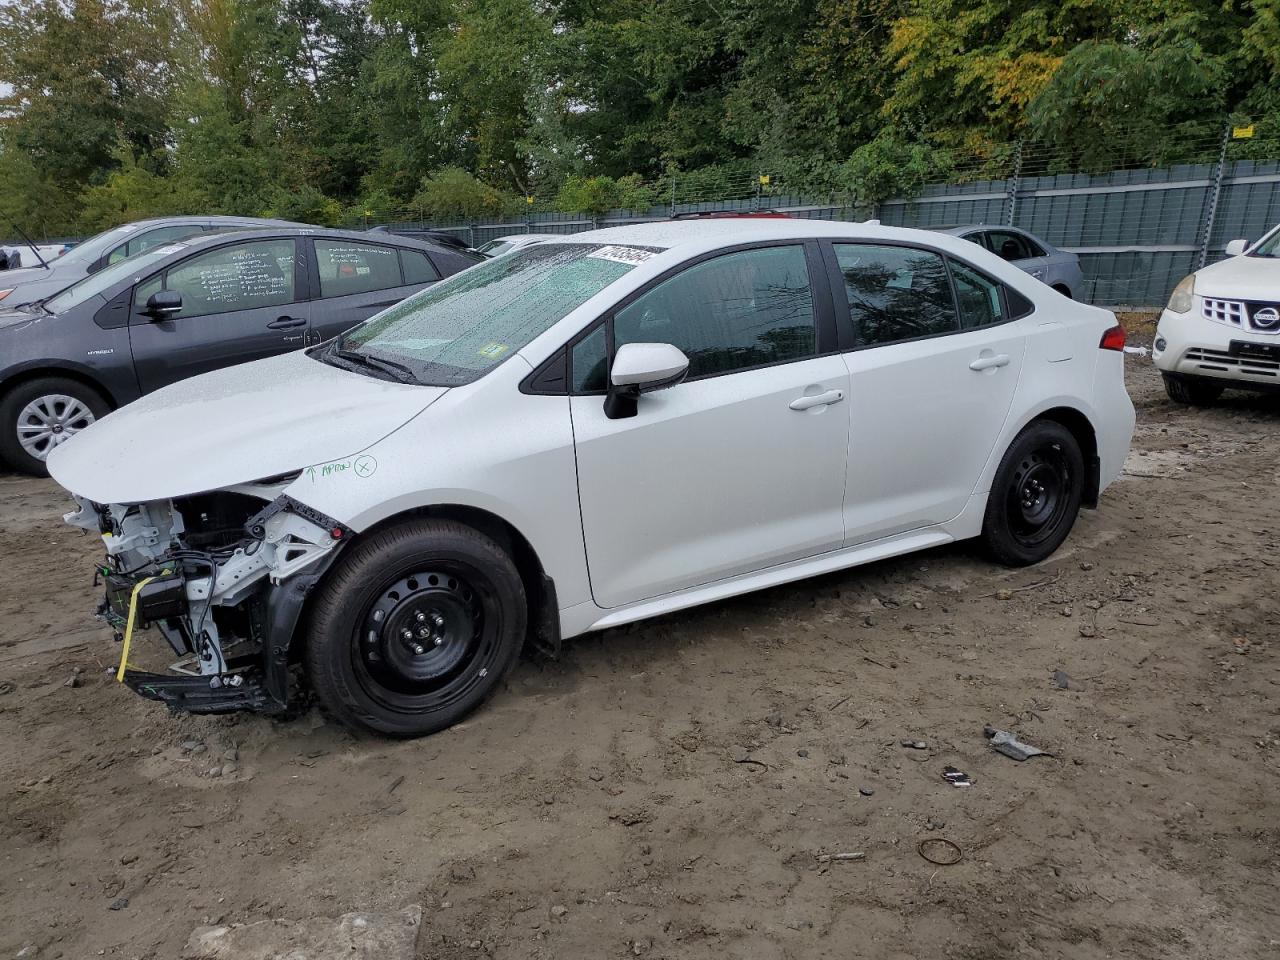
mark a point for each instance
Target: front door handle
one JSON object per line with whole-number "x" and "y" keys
{"x": 287, "y": 323}
{"x": 990, "y": 362}
{"x": 820, "y": 400}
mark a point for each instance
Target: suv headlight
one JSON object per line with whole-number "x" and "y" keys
{"x": 1181, "y": 299}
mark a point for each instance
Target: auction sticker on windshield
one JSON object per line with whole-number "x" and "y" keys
{"x": 618, "y": 254}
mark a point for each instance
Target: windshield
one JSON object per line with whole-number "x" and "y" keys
{"x": 459, "y": 329}
{"x": 495, "y": 247}
{"x": 94, "y": 284}
{"x": 1270, "y": 247}
{"x": 96, "y": 246}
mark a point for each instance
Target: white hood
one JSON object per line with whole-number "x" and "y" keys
{"x": 1241, "y": 278}
{"x": 236, "y": 425}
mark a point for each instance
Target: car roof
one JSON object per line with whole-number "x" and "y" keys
{"x": 210, "y": 218}
{"x": 322, "y": 233}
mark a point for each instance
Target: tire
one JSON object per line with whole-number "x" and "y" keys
{"x": 1063, "y": 289}
{"x": 462, "y": 602}
{"x": 59, "y": 405}
{"x": 1191, "y": 390}
{"x": 1036, "y": 495}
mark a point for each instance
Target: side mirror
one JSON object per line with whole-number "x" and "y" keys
{"x": 163, "y": 304}
{"x": 1237, "y": 247}
{"x": 641, "y": 368}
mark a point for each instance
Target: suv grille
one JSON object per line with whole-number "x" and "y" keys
{"x": 1256, "y": 317}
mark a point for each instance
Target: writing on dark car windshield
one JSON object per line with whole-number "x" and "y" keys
{"x": 459, "y": 329}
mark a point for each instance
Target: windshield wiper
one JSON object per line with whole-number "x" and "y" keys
{"x": 399, "y": 371}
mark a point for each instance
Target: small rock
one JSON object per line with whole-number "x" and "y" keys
{"x": 232, "y": 754}
{"x": 1067, "y": 612}
{"x": 475, "y": 944}
{"x": 559, "y": 910}
{"x": 740, "y": 754}
{"x": 189, "y": 746}
{"x": 549, "y": 799}
{"x": 774, "y": 720}
{"x": 802, "y": 753}
{"x": 215, "y": 771}
{"x": 866, "y": 791}
{"x": 1086, "y": 565}
{"x": 129, "y": 858}
{"x": 72, "y": 681}
{"x": 27, "y": 952}
{"x": 77, "y": 670}
{"x": 119, "y": 904}
{"x": 869, "y": 620}
{"x": 915, "y": 744}
{"x": 918, "y": 605}
{"x": 1004, "y": 594}
{"x": 1087, "y": 630}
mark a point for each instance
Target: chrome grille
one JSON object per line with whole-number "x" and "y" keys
{"x": 1223, "y": 361}
{"x": 1230, "y": 312}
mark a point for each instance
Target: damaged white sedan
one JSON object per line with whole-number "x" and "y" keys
{"x": 582, "y": 434}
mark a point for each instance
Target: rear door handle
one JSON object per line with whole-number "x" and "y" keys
{"x": 987, "y": 363}
{"x": 287, "y": 323}
{"x": 820, "y": 400}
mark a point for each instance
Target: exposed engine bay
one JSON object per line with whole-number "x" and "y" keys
{"x": 222, "y": 576}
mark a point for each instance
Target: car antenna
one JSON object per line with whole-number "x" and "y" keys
{"x": 14, "y": 223}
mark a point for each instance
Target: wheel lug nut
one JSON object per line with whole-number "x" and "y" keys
{"x": 420, "y": 617}
{"x": 406, "y": 634}
{"x": 437, "y": 619}
{"x": 439, "y": 640}
{"x": 419, "y": 649}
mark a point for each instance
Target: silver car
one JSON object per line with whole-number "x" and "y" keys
{"x": 1057, "y": 268}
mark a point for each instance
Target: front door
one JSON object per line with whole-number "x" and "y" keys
{"x": 741, "y": 466}
{"x": 240, "y": 302}
{"x": 932, "y": 378}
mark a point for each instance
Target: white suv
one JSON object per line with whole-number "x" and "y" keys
{"x": 584, "y": 433}
{"x": 1222, "y": 325}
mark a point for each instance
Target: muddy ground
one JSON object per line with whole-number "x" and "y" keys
{"x": 601, "y": 806}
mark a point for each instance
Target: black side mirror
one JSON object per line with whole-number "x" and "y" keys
{"x": 163, "y": 304}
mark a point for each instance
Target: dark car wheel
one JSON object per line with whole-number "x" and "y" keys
{"x": 1036, "y": 495}
{"x": 1196, "y": 391}
{"x": 38, "y": 415}
{"x": 415, "y": 627}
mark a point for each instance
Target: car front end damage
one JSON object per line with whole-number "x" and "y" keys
{"x": 222, "y": 576}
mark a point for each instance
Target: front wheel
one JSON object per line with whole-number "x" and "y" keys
{"x": 40, "y": 414}
{"x": 1192, "y": 390}
{"x": 415, "y": 628}
{"x": 1036, "y": 495}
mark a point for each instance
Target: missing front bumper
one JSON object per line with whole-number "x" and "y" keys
{"x": 205, "y": 694}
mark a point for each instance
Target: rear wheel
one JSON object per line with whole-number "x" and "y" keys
{"x": 1192, "y": 390}
{"x": 1036, "y": 495}
{"x": 40, "y": 414}
{"x": 415, "y": 628}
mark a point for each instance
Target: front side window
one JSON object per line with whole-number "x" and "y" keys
{"x": 457, "y": 330}
{"x": 150, "y": 239}
{"x": 244, "y": 276}
{"x": 346, "y": 268}
{"x": 895, "y": 293}
{"x": 735, "y": 311}
{"x": 1269, "y": 247}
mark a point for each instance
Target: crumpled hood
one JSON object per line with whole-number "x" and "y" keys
{"x": 1241, "y": 278}
{"x": 236, "y": 425}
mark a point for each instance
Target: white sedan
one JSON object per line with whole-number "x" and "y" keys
{"x": 1222, "y": 325}
{"x": 586, "y": 433}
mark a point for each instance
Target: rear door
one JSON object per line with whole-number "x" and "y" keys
{"x": 240, "y": 302}
{"x": 935, "y": 361}
{"x": 353, "y": 280}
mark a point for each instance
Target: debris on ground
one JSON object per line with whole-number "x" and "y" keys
{"x": 840, "y": 857}
{"x": 1002, "y": 741}
{"x": 353, "y": 936}
{"x": 940, "y": 851}
{"x": 915, "y": 744}
{"x": 1063, "y": 681}
{"x": 955, "y": 777}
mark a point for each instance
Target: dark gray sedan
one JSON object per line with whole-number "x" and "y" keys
{"x": 1055, "y": 268}
{"x": 187, "y": 307}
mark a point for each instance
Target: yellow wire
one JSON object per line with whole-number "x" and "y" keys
{"x": 128, "y": 629}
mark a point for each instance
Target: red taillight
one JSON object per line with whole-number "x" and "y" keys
{"x": 1113, "y": 339}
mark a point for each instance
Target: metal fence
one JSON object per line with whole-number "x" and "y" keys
{"x": 1137, "y": 230}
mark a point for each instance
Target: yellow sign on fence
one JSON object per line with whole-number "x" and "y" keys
{"x": 1242, "y": 133}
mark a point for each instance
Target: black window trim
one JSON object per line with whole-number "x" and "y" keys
{"x": 844, "y": 319}
{"x": 300, "y": 279}
{"x": 825, "y": 326}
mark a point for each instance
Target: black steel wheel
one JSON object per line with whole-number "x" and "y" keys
{"x": 415, "y": 627}
{"x": 1036, "y": 495}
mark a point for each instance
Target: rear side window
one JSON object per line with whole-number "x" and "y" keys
{"x": 243, "y": 276}
{"x": 1012, "y": 246}
{"x": 735, "y": 311}
{"x": 346, "y": 268}
{"x": 977, "y": 297}
{"x": 417, "y": 268}
{"x": 895, "y": 293}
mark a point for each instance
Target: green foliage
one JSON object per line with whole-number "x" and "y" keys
{"x": 599, "y": 195}
{"x": 342, "y": 110}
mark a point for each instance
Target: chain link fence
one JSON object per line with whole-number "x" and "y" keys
{"x": 1137, "y": 228}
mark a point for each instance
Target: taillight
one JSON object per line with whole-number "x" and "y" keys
{"x": 1113, "y": 339}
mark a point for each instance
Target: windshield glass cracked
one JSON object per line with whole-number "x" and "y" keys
{"x": 460, "y": 329}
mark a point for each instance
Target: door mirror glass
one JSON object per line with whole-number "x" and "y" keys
{"x": 164, "y": 304}
{"x": 1237, "y": 247}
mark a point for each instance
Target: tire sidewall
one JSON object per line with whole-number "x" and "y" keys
{"x": 11, "y": 451}
{"x": 997, "y": 535}
{"x": 349, "y": 590}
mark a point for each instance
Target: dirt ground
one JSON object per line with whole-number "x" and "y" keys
{"x": 674, "y": 789}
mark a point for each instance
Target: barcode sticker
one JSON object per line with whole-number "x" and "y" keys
{"x": 632, "y": 256}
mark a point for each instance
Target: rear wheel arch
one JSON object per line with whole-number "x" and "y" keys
{"x": 1086, "y": 437}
